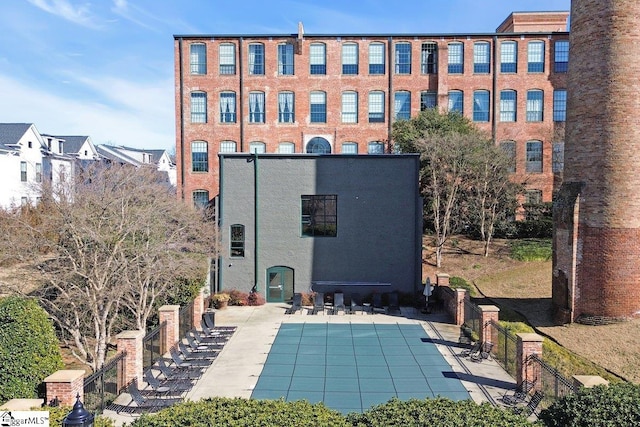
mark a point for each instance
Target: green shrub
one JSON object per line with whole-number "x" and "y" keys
{"x": 435, "y": 412}
{"x": 29, "y": 350}
{"x": 459, "y": 282}
{"x": 614, "y": 405}
{"x": 531, "y": 250}
{"x": 57, "y": 414}
{"x": 220, "y": 411}
{"x": 535, "y": 229}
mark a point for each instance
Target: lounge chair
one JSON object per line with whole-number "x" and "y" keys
{"x": 471, "y": 350}
{"x": 519, "y": 394}
{"x": 377, "y": 304}
{"x": 166, "y": 387}
{"x": 338, "y": 303}
{"x": 296, "y": 304}
{"x": 318, "y": 303}
{"x": 356, "y": 303}
{"x": 394, "y": 304}
{"x": 201, "y": 339}
{"x": 196, "y": 354}
{"x": 194, "y": 346}
{"x": 184, "y": 374}
{"x": 183, "y": 362}
{"x": 531, "y": 406}
{"x": 483, "y": 353}
{"x": 147, "y": 404}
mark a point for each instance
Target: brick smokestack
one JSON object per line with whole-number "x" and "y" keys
{"x": 596, "y": 262}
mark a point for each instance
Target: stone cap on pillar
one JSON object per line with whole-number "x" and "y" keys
{"x": 65, "y": 376}
{"x": 169, "y": 308}
{"x": 130, "y": 334}
{"x": 488, "y": 308}
{"x": 529, "y": 337}
{"x": 589, "y": 381}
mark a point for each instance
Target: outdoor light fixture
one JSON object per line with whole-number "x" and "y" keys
{"x": 78, "y": 416}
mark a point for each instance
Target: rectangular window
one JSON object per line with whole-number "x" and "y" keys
{"x": 561, "y": 56}
{"x": 227, "y": 107}
{"x": 317, "y": 59}
{"x": 509, "y": 148}
{"x": 557, "y": 159}
{"x": 534, "y": 105}
{"x": 509, "y": 57}
{"x": 534, "y": 156}
{"x": 318, "y": 108}
{"x": 428, "y": 100}
{"x": 23, "y": 171}
{"x": 532, "y": 201}
{"x": 402, "y": 105}
{"x": 559, "y": 105}
{"x": 508, "y": 106}
{"x": 38, "y": 172}
{"x": 198, "y": 58}
{"x": 200, "y": 198}
{"x": 285, "y": 59}
{"x": 198, "y": 107}
{"x": 286, "y": 110}
{"x": 376, "y": 107}
{"x": 319, "y": 215}
{"x": 349, "y": 58}
{"x": 376, "y": 58}
{"x": 535, "y": 57}
{"x": 257, "y": 147}
{"x": 455, "y": 101}
{"x": 256, "y": 107}
{"x": 375, "y": 147}
{"x": 403, "y": 58}
{"x": 227, "y": 147}
{"x": 236, "y": 241}
{"x": 256, "y": 59}
{"x": 481, "y": 58}
{"x": 349, "y": 107}
{"x": 349, "y": 148}
{"x": 286, "y": 148}
{"x": 481, "y": 106}
{"x": 199, "y": 157}
{"x": 428, "y": 58}
{"x": 227, "y": 58}
{"x": 456, "y": 58}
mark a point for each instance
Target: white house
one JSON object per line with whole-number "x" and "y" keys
{"x": 139, "y": 157}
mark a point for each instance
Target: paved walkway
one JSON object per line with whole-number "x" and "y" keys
{"x": 235, "y": 372}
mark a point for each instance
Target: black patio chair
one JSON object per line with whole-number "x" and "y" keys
{"x": 483, "y": 353}
{"x": 176, "y": 373}
{"x": 201, "y": 339}
{"x": 166, "y": 387}
{"x": 338, "y": 303}
{"x": 185, "y": 361}
{"x": 196, "y": 354}
{"x": 471, "y": 350}
{"x": 296, "y": 304}
{"x": 146, "y": 404}
{"x": 318, "y": 303}
{"x": 531, "y": 406}
{"x": 519, "y": 394}
{"x": 394, "y": 304}
{"x": 194, "y": 346}
{"x": 356, "y": 303}
{"x": 377, "y": 306}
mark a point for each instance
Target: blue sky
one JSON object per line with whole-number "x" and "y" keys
{"x": 104, "y": 68}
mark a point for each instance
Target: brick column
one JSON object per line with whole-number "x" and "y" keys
{"x": 487, "y": 333}
{"x": 528, "y": 344}
{"x": 169, "y": 314}
{"x": 131, "y": 342}
{"x": 198, "y": 309}
{"x": 459, "y": 313}
{"x": 442, "y": 279}
{"x": 65, "y": 385}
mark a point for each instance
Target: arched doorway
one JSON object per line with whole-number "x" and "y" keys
{"x": 279, "y": 284}
{"x": 318, "y": 145}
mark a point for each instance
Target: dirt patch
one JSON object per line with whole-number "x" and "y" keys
{"x": 526, "y": 288}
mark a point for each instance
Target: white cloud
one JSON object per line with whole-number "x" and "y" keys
{"x": 80, "y": 14}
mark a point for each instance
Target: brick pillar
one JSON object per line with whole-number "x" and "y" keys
{"x": 459, "y": 309}
{"x": 65, "y": 385}
{"x": 131, "y": 342}
{"x": 170, "y": 315}
{"x": 442, "y": 279}
{"x": 198, "y": 309}
{"x": 528, "y": 344}
{"x": 487, "y": 333}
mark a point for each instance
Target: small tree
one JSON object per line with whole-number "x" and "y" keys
{"x": 29, "y": 350}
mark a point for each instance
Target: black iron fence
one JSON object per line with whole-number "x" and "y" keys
{"x": 101, "y": 387}
{"x": 504, "y": 349}
{"x": 548, "y": 379}
{"x": 152, "y": 345}
{"x": 185, "y": 319}
{"x": 473, "y": 317}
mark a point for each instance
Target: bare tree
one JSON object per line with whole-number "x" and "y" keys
{"x": 110, "y": 248}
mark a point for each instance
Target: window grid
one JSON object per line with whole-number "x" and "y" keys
{"x": 535, "y": 57}
{"x": 534, "y": 156}
{"x": 349, "y": 58}
{"x": 198, "y": 58}
{"x": 557, "y": 159}
{"x": 199, "y": 157}
{"x": 455, "y": 101}
{"x": 376, "y": 58}
{"x": 198, "y": 107}
{"x": 318, "y": 145}
{"x": 456, "y": 58}
{"x": 428, "y": 100}
{"x": 509, "y": 148}
{"x": 23, "y": 171}
{"x": 286, "y": 148}
{"x": 286, "y": 107}
{"x": 534, "y": 105}
{"x": 257, "y": 147}
{"x": 227, "y": 107}
{"x": 200, "y": 198}
{"x": 256, "y": 107}
{"x": 402, "y": 105}
{"x": 429, "y": 58}
{"x": 318, "y": 108}
{"x": 349, "y": 148}
{"x": 236, "y": 241}
{"x": 481, "y": 58}
{"x": 317, "y": 59}
{"x": 256, "y": 59}
{"x": 375, "y": 147}
{"x": 285, "y": 59}
{"x": 403, "y": 58}
{"x": 227, "y": 58}
{"x": 319, "y": 215}
{"x": 376, "y": 107}
{"x": 508, "y": 106}
{"x": 349, "y": 107}
{"x": 38, "y": 172}
{"x": 227, "y": 147}
{"x": 561, "y": 56}
{"x": 509, "y": 57}
{"x": 481, "y": 106}
{"x": 559, "y": 105}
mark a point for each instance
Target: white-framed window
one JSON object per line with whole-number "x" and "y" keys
{"x": 317, "y": 58}
{"x": 198, "y": 107}
{"x": 228, "y": 147}
{"x": 349, "y": 148}
{"x": 286, "y": 107}
{"x": 318, "y": 107}
{"x": 256, "y": 59}
{"x": 257, "y": 147}
{"x": 402, "y": 105}
{"x": 349, "y": 58}
{"x": 256, "y": 107}
{"x": 23, "y": 171}
{"x": 198, "y": 58}
{"x": 227, "y": 107}
{"x": 227, "y": 58}
{"x": 376, "y": 58}
{"x": 481, "y": 58}
{"x": 535, "y": 56}
{"x": 508, "y": 102}
{"x": 38, "y": 172}
{"x": 376, "y": 106}
{"x": 286, "y": 148}
{"x": 429, "y": 58}
{"x": 456, "y": 101}
{"x": 509, "y": 57}
{"x": 285, "y": 59}
{"x": 535, "y": 103}
{"x": 349, "y": 107}
{"x": 456, "y": 58}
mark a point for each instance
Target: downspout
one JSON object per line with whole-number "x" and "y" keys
{"x": 390, "y": 89}
{"x": 255, "y": 223}
{"x": 219, "y": 222}
{"x": 241, "y": 94}
{"x": 181, "y": 118}
{"x": 494, "y": 83}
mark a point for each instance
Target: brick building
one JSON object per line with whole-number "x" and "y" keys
{"x": 341, "y": 93}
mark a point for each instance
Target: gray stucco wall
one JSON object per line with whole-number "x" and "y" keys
{"x": 379, "y": 219}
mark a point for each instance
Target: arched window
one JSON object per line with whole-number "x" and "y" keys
{"x": 199, "y": 157}
{"x": 509, "y": 57}
{"x": 200, "y": 198}
{"x": 198, "y": 58}
{"x": 257, "y": 147}
{"x": 318, "y": 145}
{"x": 198, "y": 107}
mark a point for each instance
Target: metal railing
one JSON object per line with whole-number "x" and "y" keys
{"x": 101, "y": 387}
{"x": 548, "y": 379}
{"x": 185, "y": 319}
{"x": 473, "y": 317}
{"x": 504, "y": 349}
{"x": 152, "y": 345}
